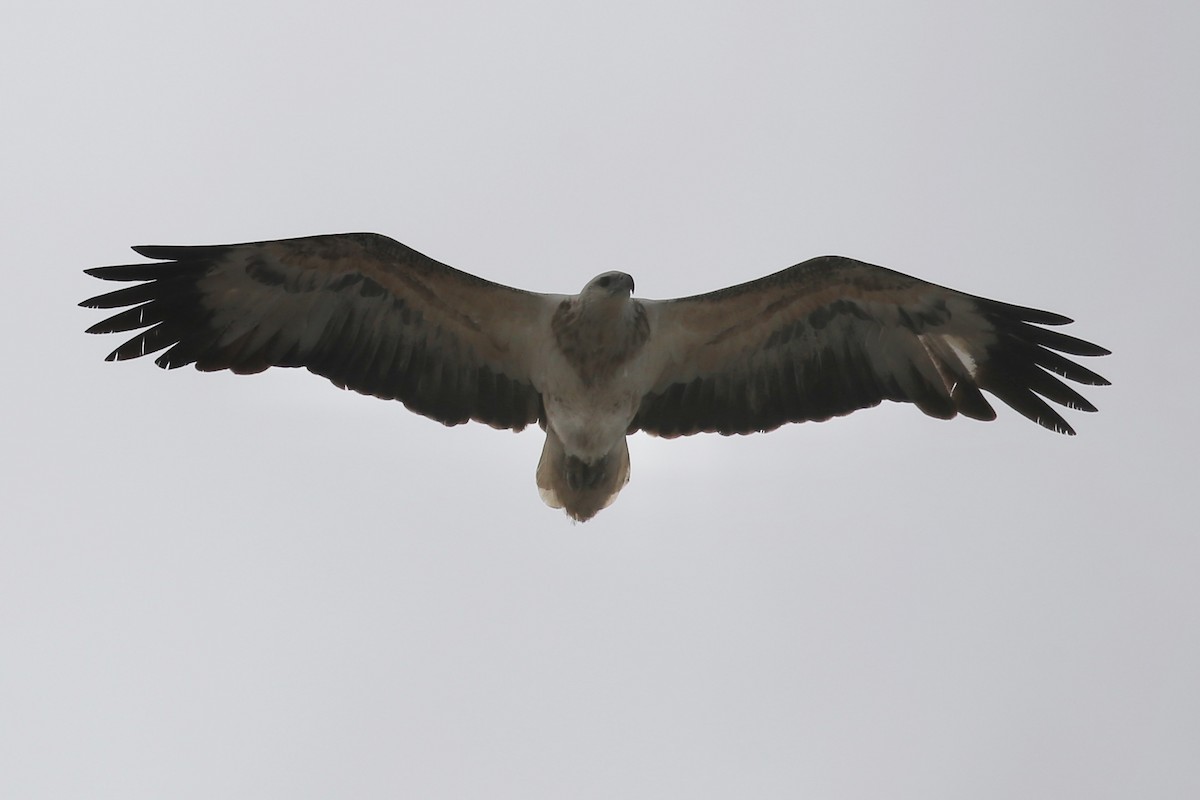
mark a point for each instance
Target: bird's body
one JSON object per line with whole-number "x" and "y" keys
{"x": 819, "y": 339}
{"x": 591, "y": 394}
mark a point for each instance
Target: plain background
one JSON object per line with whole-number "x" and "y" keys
{"x": 245, "y": 587}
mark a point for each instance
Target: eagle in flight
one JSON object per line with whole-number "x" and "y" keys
{"x": 817, "y": 340}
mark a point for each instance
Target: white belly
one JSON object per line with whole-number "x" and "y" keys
{"x": 590, "y": 421}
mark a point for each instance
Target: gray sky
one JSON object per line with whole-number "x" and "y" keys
{"x": 222, "y": 586}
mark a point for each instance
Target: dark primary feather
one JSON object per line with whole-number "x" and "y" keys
{"x": 355, "y": 308}
{"x": 833, "y": 335}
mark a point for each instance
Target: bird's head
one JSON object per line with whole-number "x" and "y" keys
{"x": 609, "y": 284}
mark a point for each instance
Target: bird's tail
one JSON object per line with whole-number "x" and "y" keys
{"x": 581, "y": 488}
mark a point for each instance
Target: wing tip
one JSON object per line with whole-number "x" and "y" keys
{"x": 113, "y": 273}
{"x": 159, "y": 251}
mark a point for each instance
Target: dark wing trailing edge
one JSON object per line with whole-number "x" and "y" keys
{"x": 833, "y": 335}
{"x": 360, "y": 309}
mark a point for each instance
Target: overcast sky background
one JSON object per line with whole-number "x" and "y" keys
{"x": 223, "y": 586}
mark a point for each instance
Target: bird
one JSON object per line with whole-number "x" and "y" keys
{"x": 820, "y": 339}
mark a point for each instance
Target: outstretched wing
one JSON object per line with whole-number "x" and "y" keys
{"x": 360, "y": 309}
{"x": 832, "y": 335}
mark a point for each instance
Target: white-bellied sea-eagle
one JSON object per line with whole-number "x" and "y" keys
{"x": 817, "y": 340}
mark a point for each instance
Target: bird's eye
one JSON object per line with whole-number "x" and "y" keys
{"x": 605, "y": 281}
